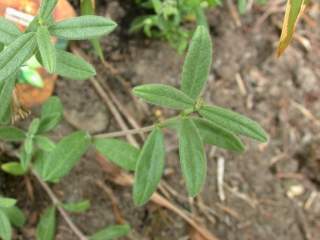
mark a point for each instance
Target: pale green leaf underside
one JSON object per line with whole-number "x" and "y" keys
{"x": 8, "y": 31}
{"x": 111, "y": 232}
{"x": 149, "y": 167}
{"x": 164, "y": 95}
{"x": 192, "y": 156}
{"x": 46, "y": 49}
{"x": 197, "y": 63}
{"x": 234, "y": 122}
{"x": 84, "y": 27}
{"x": 5, "y": 227}
{"x": 47, "y": 225}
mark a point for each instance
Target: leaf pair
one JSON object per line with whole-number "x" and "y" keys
{"x": 9, "y": 215}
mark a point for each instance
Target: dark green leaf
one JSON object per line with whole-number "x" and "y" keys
{"x": 78, "y": 207}
{"x": 47, "y": 225}
{"x": 197, "y": 63}
{"x": 218, "y": 136}
{"x": 84, "y": 27}
{"x": 149, "y": 167}
{"x": 73, "y": 67}
{"x": 192, "y": 156}
{"x": 5, "y": 226}
{"x": 7, "y": 202}
{"x": 46, "y": 49}
{"x": 46, "y": 8}
{"x": 163, "y": 95}
{"x": 119, "y": 152}
{"x": 51, "y": 114}
{"x": 44, "y": 143}
{"x": 15, "y": 216}
{"x": 19, "y": 51}
{"x": 234, "y": 122}
{"x": 12, "y": 134}
{"x": 13, "y": 168}
{"x": 65, "y": 156}
{"x": 111, "y": 233}
{"x": 8, "y": 31}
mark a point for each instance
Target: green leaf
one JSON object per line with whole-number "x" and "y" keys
{"x": 13, "y": 168}
{"x": 46, "y": 8}
{"x": 26, "y": 154}
{"x": 84, "y": 27}
{"x": 65, "y": 156}
{"x": 34, "y": 127}
{"x": 6, "y": 98}
{"x": 44, "y": 143}
{"x": 19, "y": 51}
{"x": 46, "y": 49}
{"x": 119, "y": 152}
{"x": 149, "y": 167}
{"x": 7, "y": 202}
{"x": 234, "y": 122}
{"x": 197, "y": 63}
{"x": 163, "y": 95}
{"x": 12, "y": 134}
{"x": 111, "y": 232}
{"x": 73, "y": 67}
{"x": 51, "y": 114}
{"x": 15, "y": 216}
{"x": 218, "y": 136}
{"x": 8, "y": 31}
{"x": 5, "y": 226}
{"x": 192, "y": 156}
{"x": 87, "y": 7}
{"x": 78, "y": 207}
{"x": 47, "y": 225}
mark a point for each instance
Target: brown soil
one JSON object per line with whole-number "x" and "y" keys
{"x": 258, "y": 183}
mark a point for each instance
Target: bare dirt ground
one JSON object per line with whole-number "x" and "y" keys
{"x": 271, "y": 191}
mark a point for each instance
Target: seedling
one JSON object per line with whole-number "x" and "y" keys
{"x": 196, "y": 124}
{"x": 168, "y": 18}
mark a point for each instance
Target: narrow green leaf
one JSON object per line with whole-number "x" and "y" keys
{"x": 8, "y": 31}
{"x": 192, "y": 156}
{"x": 218, "y": 136}
{"x": 15, "y": 216}
{"x": 119, "y": 152}
{"x": 46, "y": 8}
{"x": 19, "y": 51}
{"x": 51, "y": 114}
{"x": 234, "y": 122}
{"x": 13, "y": 168}
{"x": 111, "y": 232}
{"x": 73, "y": 67}
{"x": 149, "y": 167}
{"x": 34, "y": 127}
{"x": 46, "y": 49}
{"x": 6, "y": 98}
{"x": 197, "y": 63}
{"x": 164, "y": 95}
{"x": 12, "y": 134}
{"x": 26, "y": 154}
{"x": 84, "y": 27}
{"x": 5, "y": 226}
{"x": 65, "y": 156}
{"x": 44, "y": 143}
{"x": 242, "y": 6}
{"x": 47, "y": 225}
{"x": 78, "y": 207}
{"x": 7, "y": 202}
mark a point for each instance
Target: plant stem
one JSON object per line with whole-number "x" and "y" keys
{"x": 57, "y": 204}
{"x": 125, "y": 132}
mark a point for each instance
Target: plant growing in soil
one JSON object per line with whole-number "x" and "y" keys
{"x": 196, "y": 124}
{"x": 168, "y": 17}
